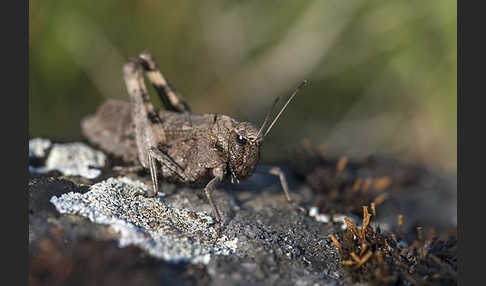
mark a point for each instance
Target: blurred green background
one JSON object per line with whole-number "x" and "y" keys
{"x": 382, "y": 73}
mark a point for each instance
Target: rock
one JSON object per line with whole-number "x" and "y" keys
{"x": 163, "y": 231}
{"x": 263, "y": 240}
{"x": 38, "y": 147}
{"x": 71, "y": 159}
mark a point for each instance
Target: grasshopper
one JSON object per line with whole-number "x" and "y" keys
{"x": 178, "y": 145}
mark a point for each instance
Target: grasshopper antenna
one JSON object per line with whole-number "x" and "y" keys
{"x": 283, "y": 108}
{"x": 267, "y": 117}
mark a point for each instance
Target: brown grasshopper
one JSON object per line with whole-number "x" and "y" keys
{"x": 197, "y": 150}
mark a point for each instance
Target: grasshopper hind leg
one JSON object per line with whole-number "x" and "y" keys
{"x": 172, "y": 100}
{"x": 152, "y": 192}
{"x": 148, "y": 126}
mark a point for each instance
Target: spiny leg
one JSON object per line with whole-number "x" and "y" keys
{"x": 285, "y": 187}
{"x": 155, "y": 183}
{"x": 218, "y": 174}
{"x": 153, "y": 175}
{"x": 155, "y": 155}
{"x": 172, "y": 100}
{"x": 167, "y": 161}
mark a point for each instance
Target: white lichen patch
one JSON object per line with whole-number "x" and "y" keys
{"x": 71, "y": 159}
{"x": 149, "y": 223}
{"x": 38, "y": 147}
{"x": 314, "y": 212}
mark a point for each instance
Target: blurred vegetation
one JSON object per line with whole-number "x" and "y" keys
{"x": 382, "y": 73}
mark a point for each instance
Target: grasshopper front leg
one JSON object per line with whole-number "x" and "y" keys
{"x": 210, "y": 187}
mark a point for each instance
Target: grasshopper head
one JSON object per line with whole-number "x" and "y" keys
{"x": 245, "y": 142}
{"x": 244, "y": 150}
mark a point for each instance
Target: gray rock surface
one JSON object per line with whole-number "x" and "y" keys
{"x": 273, "y": 245}
{"x": 71, "y": 159}
{"x": 164, "y": 232}
{"x": 263, "y": 241}
{"x": 38, "y": 147}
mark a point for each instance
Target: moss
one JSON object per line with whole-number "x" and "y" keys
{"x": 369, "y": 255}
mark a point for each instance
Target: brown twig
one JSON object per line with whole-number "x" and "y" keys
{"x": 380, "y": 199}
{"x": 356, "y": 185}
{"x": 351, "y": 226}
{"x": 341, "y": 164}
{"x": 336, "y": 242}
{"x": 366, "y": 221}
{"x": 366, "y": 185}
{"x": 382, "y": 183}
{"x": 364, "y": 258}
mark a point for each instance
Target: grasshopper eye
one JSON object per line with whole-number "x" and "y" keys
{"x": 241, "y": 139}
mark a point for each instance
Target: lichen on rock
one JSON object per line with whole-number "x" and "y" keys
{"x": 38, "y": 147}
{"x": 164, "y": 232}
{"x": 71, "y": 159}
